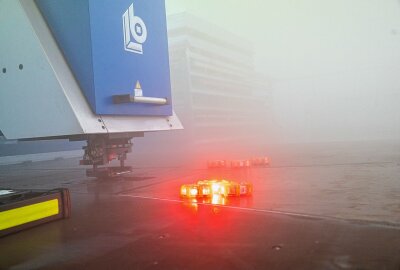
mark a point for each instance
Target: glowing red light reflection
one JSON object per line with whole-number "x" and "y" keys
{"x": 210, "y": 188}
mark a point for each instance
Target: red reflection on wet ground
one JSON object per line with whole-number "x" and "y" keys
{"x": 216, "y": 203}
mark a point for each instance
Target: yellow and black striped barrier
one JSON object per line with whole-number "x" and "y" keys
{"x": 23, "y": 209}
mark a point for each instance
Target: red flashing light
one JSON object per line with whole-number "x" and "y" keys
{"x": 184, "y": 191}
{"x": 216, "y": 164}
{"x": 189, "y": 191}
{"x": 193, "y": 192}
{"x": 211, "y": 188}
{"x": 260, "y": 161}
{"x": 238, "y": 164}
{"x": 218, "y": 200}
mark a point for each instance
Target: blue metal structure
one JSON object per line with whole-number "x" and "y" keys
{"x": 85, "y": 70}
{"x": 113, "y": 47}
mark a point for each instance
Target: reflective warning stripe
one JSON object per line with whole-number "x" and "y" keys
{"x": 26, "y": 214}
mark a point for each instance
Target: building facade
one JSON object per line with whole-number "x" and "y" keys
{"x": 221, "y": 100}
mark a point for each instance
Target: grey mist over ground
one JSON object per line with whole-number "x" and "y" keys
{"x": 333, "y": 66}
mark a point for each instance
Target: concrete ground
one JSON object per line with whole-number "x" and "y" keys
{"x": 333, "y": 206}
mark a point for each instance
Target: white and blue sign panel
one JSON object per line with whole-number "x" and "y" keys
{"x": 112, "y": 45}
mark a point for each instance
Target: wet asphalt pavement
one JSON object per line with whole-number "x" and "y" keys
{"x": 139, "y": 222}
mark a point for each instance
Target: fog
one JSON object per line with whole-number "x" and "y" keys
{"x": 333, "y": 67}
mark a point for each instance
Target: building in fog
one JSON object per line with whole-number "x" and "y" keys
{"x": 217, "y": 94}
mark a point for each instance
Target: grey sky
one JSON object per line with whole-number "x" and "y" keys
{"x": 334, "y": 65}
{"x": 302, "y": 37}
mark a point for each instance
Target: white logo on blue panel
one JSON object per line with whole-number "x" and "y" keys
{"x": 135, "y": 31}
